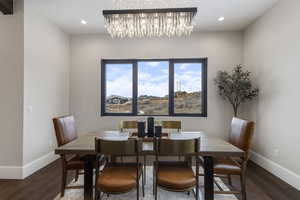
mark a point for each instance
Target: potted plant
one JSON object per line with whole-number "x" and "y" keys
{"x": 235, "y": 87}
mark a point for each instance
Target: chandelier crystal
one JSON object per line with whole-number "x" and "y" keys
{"x": 149, "y": 22}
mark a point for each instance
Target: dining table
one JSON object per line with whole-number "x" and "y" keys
{"x": 210, "y": 147}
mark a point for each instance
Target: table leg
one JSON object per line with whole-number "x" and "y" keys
{"x": 88, "y": 176}
{"x": 208, "y": 178}
{"x": 144, "y": 174}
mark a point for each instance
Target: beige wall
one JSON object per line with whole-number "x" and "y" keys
{"x": 46, "y": 84}
{"x": 34, "y": 86}
{"x": 11, "y": 88}
{"x": 272, "y": 52}
{"x": 223, "y": 49}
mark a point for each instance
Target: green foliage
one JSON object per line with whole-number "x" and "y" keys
{"x": 235, "y": 87}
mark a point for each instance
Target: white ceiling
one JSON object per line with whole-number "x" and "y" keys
{"x": 68, "y": 13}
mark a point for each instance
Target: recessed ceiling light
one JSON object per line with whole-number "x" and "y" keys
{"x": 83, "y": 22}
{"x": 221, "y": 19}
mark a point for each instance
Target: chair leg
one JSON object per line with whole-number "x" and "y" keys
{"x": 155, "y": 191}
{"x": 145, "y": 169}
{"x": 137, "y": 190}
{"x": 143, "y": 186}
{"x": 243, "y": 186}
{"x": 76, "y": 175}
{"x": 63, "y": 182}
{"x": 229, "y": 180}
{"x": 197, "y": 180}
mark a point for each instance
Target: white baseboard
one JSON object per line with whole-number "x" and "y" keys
{"x": 21, "y": 172}
{"x": 284, "y": 174}
{"x": 38, "y": 164}
{"x": 10, "y": 172}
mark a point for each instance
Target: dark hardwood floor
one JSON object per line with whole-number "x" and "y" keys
{"x": 45, "y": 185}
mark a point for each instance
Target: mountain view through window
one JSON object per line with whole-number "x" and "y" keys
{"x": 154, "y": 87}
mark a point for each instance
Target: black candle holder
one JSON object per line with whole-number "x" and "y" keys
{"x": 141, "y": 129}
{"x": 158, "y": 131}
{"x": 150, "y": 126}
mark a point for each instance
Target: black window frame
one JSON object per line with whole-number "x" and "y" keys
{"x": 172, "y": 62}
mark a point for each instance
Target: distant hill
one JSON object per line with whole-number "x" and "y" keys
{"x": 182, "y": 94}
{"x": 184, "y": 102}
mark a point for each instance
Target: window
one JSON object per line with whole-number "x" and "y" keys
{"x": 119, "y": 88}
{"x": 188, "y": 87}
{"x": 158, "y": 87}
{"x": 153, "y": 88}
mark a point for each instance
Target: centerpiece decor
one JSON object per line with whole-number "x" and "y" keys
{"x": 150, "y": 126}
{"x": 150, "y": 22}
{"x": 235, "y": 87}
{"x": 141, "y": 129}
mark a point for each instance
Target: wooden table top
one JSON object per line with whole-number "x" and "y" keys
{"x": 209, "y": 145}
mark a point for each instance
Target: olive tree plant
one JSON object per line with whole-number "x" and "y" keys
{"x": 235, "y": 87}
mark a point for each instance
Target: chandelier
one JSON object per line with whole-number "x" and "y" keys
{"x": 149, "y": 22}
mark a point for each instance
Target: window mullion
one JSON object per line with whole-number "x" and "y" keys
{"x": 103, "y": 86}
{"x": 204, "y": 87}
{"x": 171, "y": 87}
{"x": 134, "y": 87}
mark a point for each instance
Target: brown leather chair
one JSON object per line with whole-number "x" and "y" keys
{"x": 173, "y": 125}
{"x": 118, "y": 178}
{"x": 132, "y": 126}
{"x": 176, "y": 176}
{"x": 241, "y": 137}
{"x": 129, "y": 125}
{"x": 65, "y": 131}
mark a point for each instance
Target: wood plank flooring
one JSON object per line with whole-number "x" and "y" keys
{"x": 45, "y": 185}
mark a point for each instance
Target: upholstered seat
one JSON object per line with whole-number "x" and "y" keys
{"x": 177, "y": 178}
{"x": 74, "y": 163}
{"x": 226, "y": 166}
{"x": 118, "y": 179}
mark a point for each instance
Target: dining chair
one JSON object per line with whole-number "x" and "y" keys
{"x": 118, "y": 178}
{"x": 176, "y": 176}
{"x": 132, "y": 126}
{"x": 171, "y": 125}
{"x": 240, "y": 136}
{"x": 65, "y": 131}
{"x": 128, "y": 125}
{"x": 168, "y": 126}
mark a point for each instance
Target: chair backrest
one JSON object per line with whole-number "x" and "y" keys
{"x": 118, "y": 147}
{"x": 172, "y": 147}
{"x": 171, "y": 125}
{"x": 128, "y": 125}
{"x": 65, "y": 129}
{"x": 241, "y": 134}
